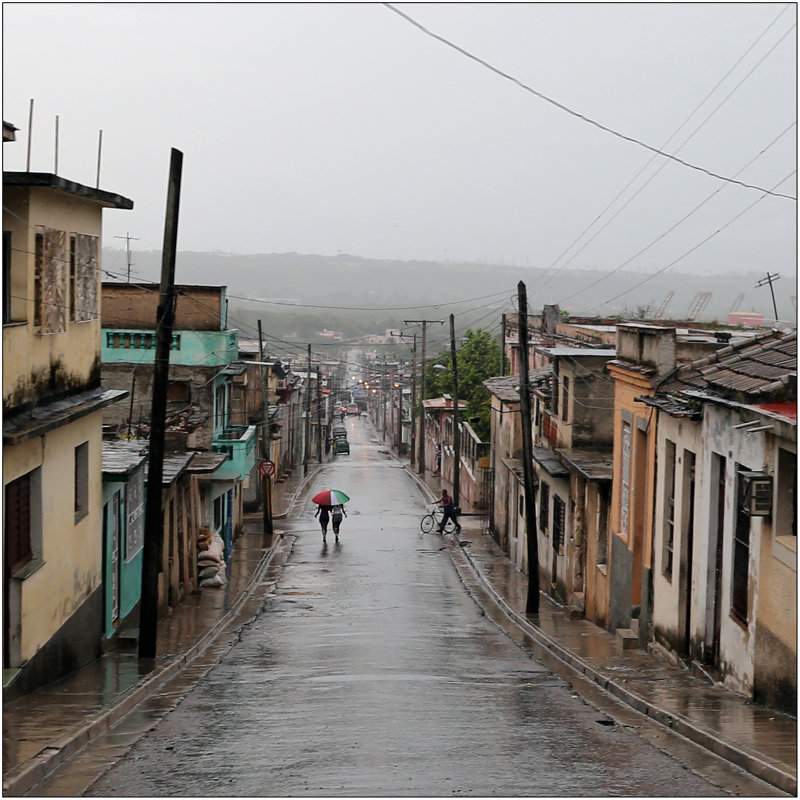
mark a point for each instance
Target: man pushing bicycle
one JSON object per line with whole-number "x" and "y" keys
{"x": 449, "y": 509}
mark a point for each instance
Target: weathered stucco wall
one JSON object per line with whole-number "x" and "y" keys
{"x": 71, "y": 550}
{"x": 37, "y": 366}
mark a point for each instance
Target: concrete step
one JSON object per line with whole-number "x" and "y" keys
{"x": 628, "y": 639}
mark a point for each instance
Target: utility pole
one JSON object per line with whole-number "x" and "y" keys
{"x": 266, "y": 439}
{"x": 127, "y": 237}
{"x": 503, "y": 345}
{"x": 319, "y": 415}
{"x": 769, "y": 280}
{"x": 421, "y": 437}
{"x": 456, "y": 430}
{"x": 307, "y": 428}
{"x": 165, "y": 318}
{"x": 532, "y": 604}
{"x": 412, "y": 432}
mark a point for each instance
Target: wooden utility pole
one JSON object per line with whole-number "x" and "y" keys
{"x": 307, "y": 427}
{"x": 319, "y": 415}
{"x": 532, "y": 604}
{"x": 421, "y": 437}
{"x": 413, "y": 433}
{"x": 266, "y": 439}
{"x": 456, "y": 429}
{"x": 768, "y": 280}
{"x": 503, "y": 345}
{"x": 165, "y": 318}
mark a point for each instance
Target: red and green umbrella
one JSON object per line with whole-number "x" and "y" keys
{"x": 330, "y": 497}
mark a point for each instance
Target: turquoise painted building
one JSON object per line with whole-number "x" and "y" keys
{"x": 123, "y": 531}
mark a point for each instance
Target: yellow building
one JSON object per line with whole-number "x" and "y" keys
{"x": 52, "y": 426}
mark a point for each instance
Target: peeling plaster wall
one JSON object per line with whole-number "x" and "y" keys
{"x": 71, "y": 550}
{"x": 736, "y": 642}
{"x": 36, "y": 366}
{"x": 667, "y": 594}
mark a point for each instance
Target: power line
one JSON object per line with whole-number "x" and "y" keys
{"x": 681, "y": 220}
{"x": 622, "y": 191}
{"x": 580, "y": 116}
{"x": 699, "y": 245}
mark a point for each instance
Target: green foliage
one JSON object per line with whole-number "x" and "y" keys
{"x": 478, "y": 358}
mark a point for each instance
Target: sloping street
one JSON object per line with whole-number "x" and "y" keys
{"x": 371, "y": 671}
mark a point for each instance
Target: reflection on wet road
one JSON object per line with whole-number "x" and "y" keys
{"x": 371, "y": 672}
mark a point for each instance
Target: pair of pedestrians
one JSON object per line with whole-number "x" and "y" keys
{"x": 332, "y": 513}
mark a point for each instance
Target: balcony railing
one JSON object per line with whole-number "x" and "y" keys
{"x": 238, "y": 443}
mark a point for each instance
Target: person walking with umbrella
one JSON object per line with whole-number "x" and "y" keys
{"x": 336, "y": 518}
{"x": 323, "y": 512}
{"x": 330, "y": 500}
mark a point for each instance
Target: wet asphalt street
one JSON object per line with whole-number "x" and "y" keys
{"x": 370, "y": 671}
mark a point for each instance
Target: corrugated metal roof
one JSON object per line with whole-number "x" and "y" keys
{"x": 121, "y": 457}
{"x": 506, "y": 387}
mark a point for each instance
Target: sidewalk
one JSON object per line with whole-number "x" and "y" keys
{"x": 48, "y": 726}
{"x": 761, "y": 741}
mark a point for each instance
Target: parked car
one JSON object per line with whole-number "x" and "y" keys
{"x": 339, "y": 432}
{"x": 341, "y": 446}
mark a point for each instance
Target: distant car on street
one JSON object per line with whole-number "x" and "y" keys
{"x": 353, "y": 409}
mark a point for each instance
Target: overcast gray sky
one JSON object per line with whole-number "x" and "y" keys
{"x": 325, "y": 128}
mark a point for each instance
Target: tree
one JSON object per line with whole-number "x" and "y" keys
{"x": 478, "y": 359}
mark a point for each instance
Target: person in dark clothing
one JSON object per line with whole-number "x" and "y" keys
{"x": 446, "y": 502}
{"x": 324, "y": 516}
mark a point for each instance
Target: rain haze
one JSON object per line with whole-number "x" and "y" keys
{"x": 345, "y": 128}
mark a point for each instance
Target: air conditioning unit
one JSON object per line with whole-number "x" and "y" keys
{"x": 758, "y": 493}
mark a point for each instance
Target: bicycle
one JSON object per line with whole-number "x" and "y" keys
{"x": 434, "y": 518}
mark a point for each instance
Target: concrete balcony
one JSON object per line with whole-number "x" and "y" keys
{"x": 238, "y": 442}
{"x": 189, "y": 348}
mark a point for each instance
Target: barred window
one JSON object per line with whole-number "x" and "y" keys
{"x": 559, "y": 522}
{"x": 544, "y": 506}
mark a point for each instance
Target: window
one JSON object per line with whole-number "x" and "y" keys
{"x": 72, "y": 288}
{"x": 134, "y": 512}
{"x": 17, "y": 524}
{"x": 625, "y": 499}
{"x": 741, "y": 550}
{"x": 559, "y": 522}
{"x": 221, "y": 407}
{"x": 84, "y": 270}
{"x": 521, "y": 505}
{"x": 669, "y": 508}
{"x": 38, "y": 268}
{"x": 544, "y": 506}
{"x": 50, "y": 281}
{"x": 564, "y": 404}
{"x": 6, "y": 277}
{"x": 81, "y": 481}
{"x": 602, "y": 524}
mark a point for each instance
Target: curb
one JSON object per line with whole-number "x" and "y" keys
{"x": 297, "y": 491}
{"x": 25, "y": 776}
{"x": 747, "y": 761}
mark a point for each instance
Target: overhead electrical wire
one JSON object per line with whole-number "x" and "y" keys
{"x": 546, "y": 275}
{"x": 580, "y": 116}
{"x": 683, "y": 219}
{"x": 699, "y": 244}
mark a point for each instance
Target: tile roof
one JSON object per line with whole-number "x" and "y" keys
{"x": 755, "y": 368}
